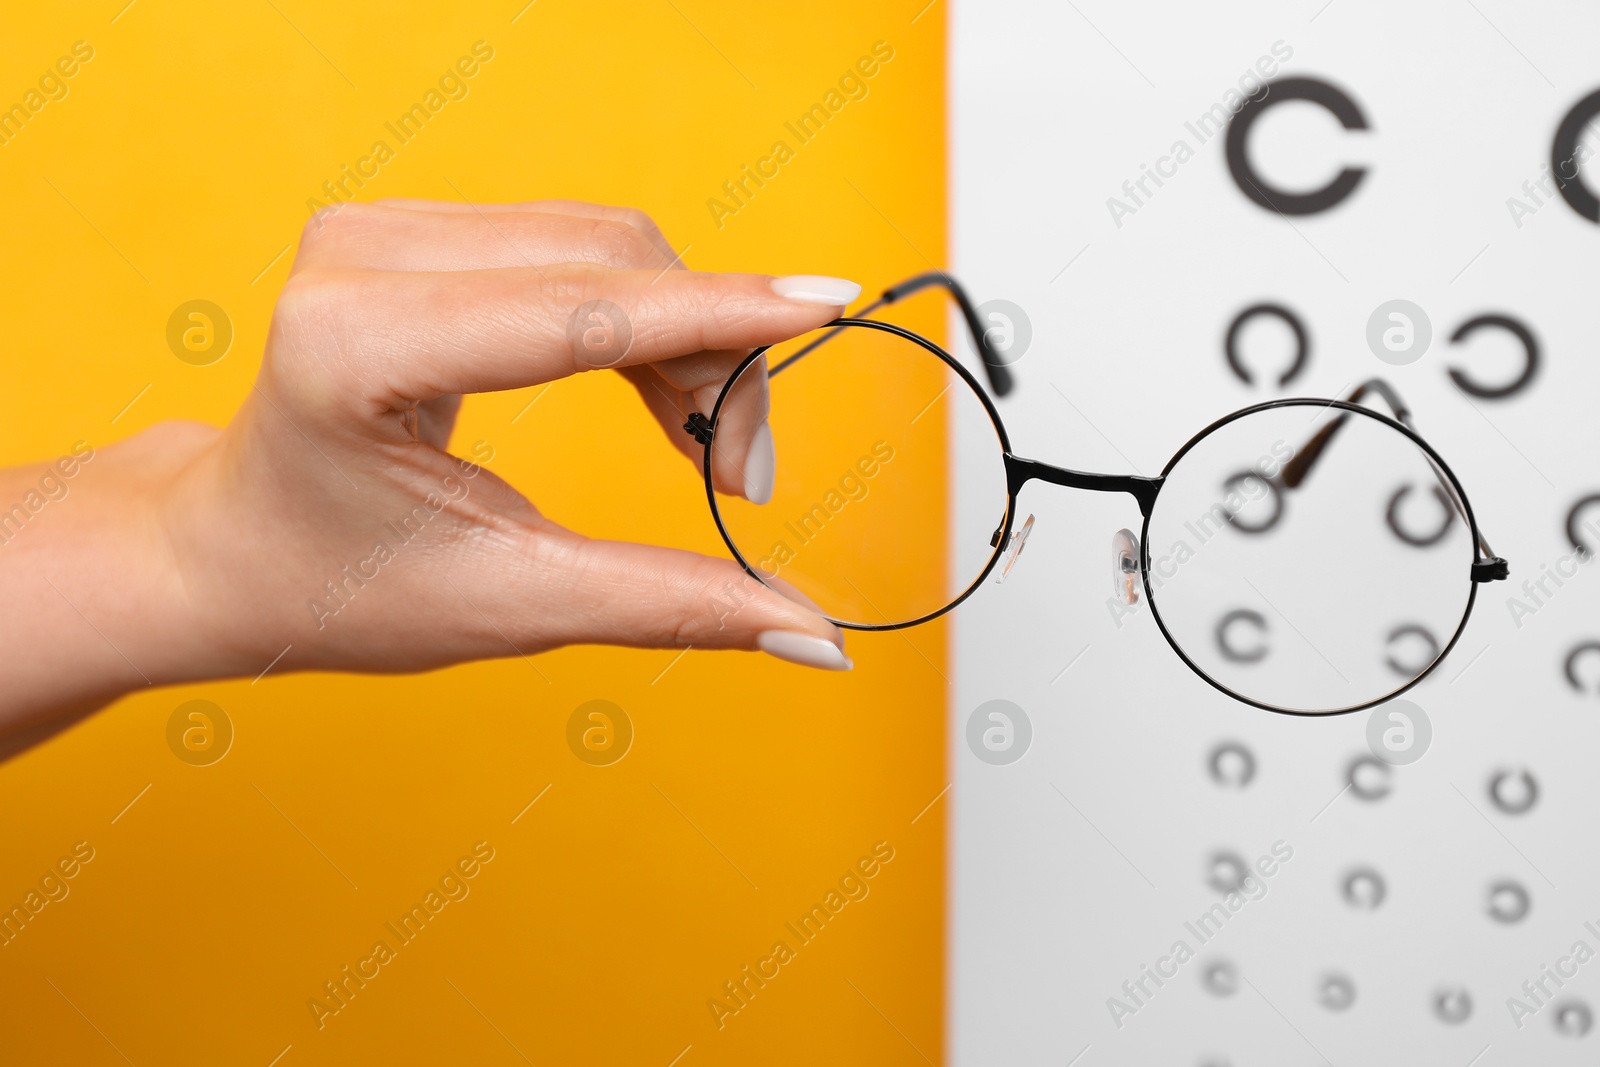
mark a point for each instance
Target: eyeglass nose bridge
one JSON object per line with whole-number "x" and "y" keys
{"x": 1021, "y": 471}
{"x": 1125, "y": 559}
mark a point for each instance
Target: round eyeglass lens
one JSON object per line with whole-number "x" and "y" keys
{"x": 862, "y": 518}
{"x": 1309, "y": 558}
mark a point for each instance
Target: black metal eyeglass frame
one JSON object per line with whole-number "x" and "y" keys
{"x": 1486, "y": 566}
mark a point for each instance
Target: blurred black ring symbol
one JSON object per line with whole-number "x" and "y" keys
{"x": 1246, "y": 760}
{"x": 1364, "y": 888}
{"x": 1530, "y": 791}
{"x": 1584, "y": 552}
{"x": 1392, "y": 517}
{"x": 1330, "y": 97}
{"x": 1338, "y": 992}
{"x": 1412, "y": 629}
{"x": 1368, "y": 792}
{"x": 1572, "y": 662}
{"x": 1564, "y": 152}
{"x": 1530, "y": 357}
{"x": 1221, "y": 978}
{"x": 1453, "y": 1005}
{"x": 1272, "y": 491}
{"x": 1302, "y": 347}
{"x": 1574, "y": 1019}
{"x": 1519, "y": 902}
{"x": 1228, "y": 872}
{"x": 1234, "y": 655}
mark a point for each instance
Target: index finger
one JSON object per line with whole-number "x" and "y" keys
{"x": 422, "y": 335}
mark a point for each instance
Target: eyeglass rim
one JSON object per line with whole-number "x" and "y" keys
{"x": 1285, "y": 402}
{"x": 972, "y": 383}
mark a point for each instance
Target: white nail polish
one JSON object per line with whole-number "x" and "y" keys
{"x": 760, "y": 465}
{"x": 804, "y": 649}
{"x": 816, "y": 289}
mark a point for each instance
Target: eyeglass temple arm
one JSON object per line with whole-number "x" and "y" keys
{"x": 999, "y": 375}
{"x": 1000, "y": 380}
{"x": 1297, "y": 469}
{"x": 1488, "y": 566}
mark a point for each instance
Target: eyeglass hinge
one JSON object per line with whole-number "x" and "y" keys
{"x": 1493, "y": 569}
{"x": 698, "y": 427}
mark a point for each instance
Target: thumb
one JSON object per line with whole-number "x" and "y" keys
{"x": 646, "y": 596}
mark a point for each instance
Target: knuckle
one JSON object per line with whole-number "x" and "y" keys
{"x": 310, "y": 293}
{"x": 731, "y": 311}
{"x": 721, "y": 606}
{"x": 640, "y": 221}
{"x": 708, "y": 311}
{"x": 317, "y": 225}
{"x": 343, "y": 224}
{"x": 331, "y": 222}
{"x": 686, "y": 630}
{"x": 176, "y": 436}
{"x": 560, "y": 292}
{"x": 317, "y": 310}
{"x": 645, "y": 226}
{"x": 618, "y": 244}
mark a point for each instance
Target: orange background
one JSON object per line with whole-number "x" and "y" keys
{"x": 177, "y": 168}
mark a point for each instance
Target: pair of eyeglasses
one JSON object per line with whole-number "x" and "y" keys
{"x": 1280, "y": 552}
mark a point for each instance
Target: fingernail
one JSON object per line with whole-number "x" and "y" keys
{"x": 816, "y": 289}
{"x": 804, "y": 649}
{"x": 760, "y": 465}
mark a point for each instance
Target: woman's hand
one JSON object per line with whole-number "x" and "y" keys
{"x": 331, "y": 519}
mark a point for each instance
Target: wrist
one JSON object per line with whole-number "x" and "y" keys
{"x": 100, "y": 606}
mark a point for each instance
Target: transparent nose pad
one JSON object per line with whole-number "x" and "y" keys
{"x": 1125, "y": 566}
{"x": 1019, "y": 540}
